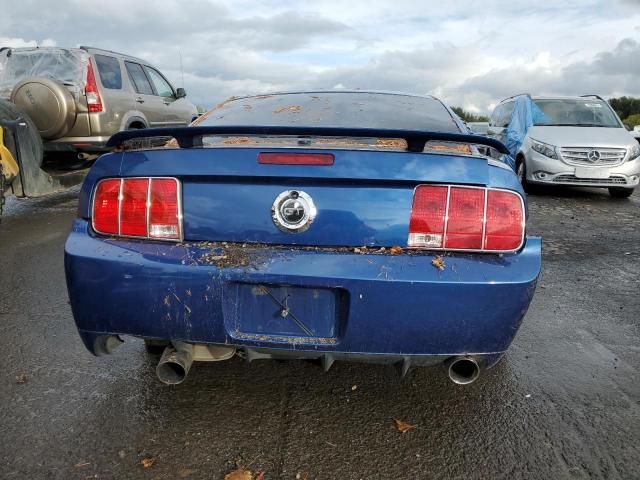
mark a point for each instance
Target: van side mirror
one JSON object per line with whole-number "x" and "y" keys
{"x": 180, "y": 93}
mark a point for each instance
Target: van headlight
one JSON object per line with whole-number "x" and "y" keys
{"x": 634, "y": 152}
{"x": 544, "y": 149}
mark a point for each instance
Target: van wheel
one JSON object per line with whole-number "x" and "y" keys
{"x": 620, "y": 192}
{"x": 521, "y": 171}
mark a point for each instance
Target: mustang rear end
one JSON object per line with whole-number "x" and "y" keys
{"x": 380, "y": 243}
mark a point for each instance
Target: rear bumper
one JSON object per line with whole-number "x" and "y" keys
{"x": 385, "y": 306}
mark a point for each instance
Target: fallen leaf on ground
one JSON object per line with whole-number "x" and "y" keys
{"x": 260, "y": 476}
{"x": 438, "y": 262}
{"x": 239, "y": 474}
{"x": 401, "y": 426}
{"x": 22, "y": 378}
{"x": 81, "y": 465}
{"x": 186, "y": 472}
{"x": 147, "y": 462}
{"x": 302, "y": 476}
{"x": 395, "y": 250}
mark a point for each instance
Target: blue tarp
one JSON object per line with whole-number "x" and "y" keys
{"x": 525, "y": 113}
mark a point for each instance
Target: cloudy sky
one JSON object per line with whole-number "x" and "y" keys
{"x": 470, "y": 53}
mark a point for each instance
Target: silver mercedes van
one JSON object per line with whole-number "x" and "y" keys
{"x": 577, "y": 141}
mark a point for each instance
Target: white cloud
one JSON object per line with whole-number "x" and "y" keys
{"x": 470, "y": 53}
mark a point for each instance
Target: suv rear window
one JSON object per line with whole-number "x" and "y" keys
{"x": 109, "y": 70}
{"x": 139, "y": 78}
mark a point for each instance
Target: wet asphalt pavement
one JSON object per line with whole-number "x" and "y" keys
{"x": 564, "y": 403}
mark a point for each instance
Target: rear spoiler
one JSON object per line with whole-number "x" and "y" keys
{"x": 188, "y": 137}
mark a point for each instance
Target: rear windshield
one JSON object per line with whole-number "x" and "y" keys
{"x": 68, "y": 66}
{"x": 577, "y": 113}
{"x": 335, "y": 109}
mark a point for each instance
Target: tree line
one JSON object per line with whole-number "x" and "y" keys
{"x": 628, "y": 109}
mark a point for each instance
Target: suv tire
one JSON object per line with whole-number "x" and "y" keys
{"x": 30, "y": 135}
{"x": 620, "y": 192}
{"x": 49, "y": 103}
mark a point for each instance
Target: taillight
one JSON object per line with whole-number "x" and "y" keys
{"x": 106, "y": 207}
{"x": 295, "y": 158}
{"x": 466, "y": 218}
{"x": 138, "y": 207}
{"x": 94, "y": 102}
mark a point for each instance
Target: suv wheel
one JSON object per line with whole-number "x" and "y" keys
{"x": 620, "y": 192}
{"x": 31, "y": 143}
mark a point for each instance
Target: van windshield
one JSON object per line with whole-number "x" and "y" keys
{"x": 576, "y": 113}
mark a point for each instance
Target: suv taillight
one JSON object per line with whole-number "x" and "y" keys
{"x": 447, "y": 217}
{"x": 94, "y": 101}
{"x": 138, "y": 207}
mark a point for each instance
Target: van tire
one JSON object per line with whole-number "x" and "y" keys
{"x": 620, "y": 192}
{"x": 30, "y": 135}
{"x": 49, "y": 103}
{"x": 521, "y": 171}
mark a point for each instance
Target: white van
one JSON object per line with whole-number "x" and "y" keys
{"x": 576, "y": 141}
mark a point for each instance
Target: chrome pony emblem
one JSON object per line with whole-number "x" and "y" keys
{"x": 293, "y": 211}
{"x": 593, "y": 156}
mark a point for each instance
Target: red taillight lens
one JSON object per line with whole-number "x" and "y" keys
{"x": 94, "y": 101}
{"x": 133, "y": 213}
{"x": 295, "y": 158}
{"x": 505, "y": 221}
{"x": 138, "y": 207}
{"x": 163, "y": 209}
{"x": 426, "y": 228}
{"x": 106, "y": 205}
{"x": 466, "y": 218}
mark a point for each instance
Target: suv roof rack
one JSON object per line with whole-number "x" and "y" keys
{"x": 86, "y": 48}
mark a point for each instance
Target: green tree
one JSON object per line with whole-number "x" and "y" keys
{"x": 468, "y": 116}
{"x": 625, "y": 106}
{"x": 632, "y": 120}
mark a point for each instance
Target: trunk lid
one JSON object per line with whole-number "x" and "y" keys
{"x": 364, "y": 198}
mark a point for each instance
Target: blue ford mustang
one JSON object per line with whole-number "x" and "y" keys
{"x": 323, "y": 225}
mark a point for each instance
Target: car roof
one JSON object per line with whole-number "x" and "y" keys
{"x": 331, "y": 91}
{"x": 337, "y": 108}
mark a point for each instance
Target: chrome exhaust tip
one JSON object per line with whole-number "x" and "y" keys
{"x": 463, "y": 370}
{"x": 175, "y": 363}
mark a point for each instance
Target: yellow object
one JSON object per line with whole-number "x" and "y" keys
{"x": 10, "y": 167}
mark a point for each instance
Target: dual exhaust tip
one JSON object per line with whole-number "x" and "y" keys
{"x": 176, "y": 361}
{"x": 463, "y": 370}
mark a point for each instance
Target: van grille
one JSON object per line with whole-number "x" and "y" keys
{"x": 599, "y": 156}
{"x": 586, "y": 181}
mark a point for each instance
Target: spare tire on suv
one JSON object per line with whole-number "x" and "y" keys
{"x": 10, "y": 112}
{"x": 49, "y": 103}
